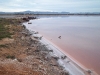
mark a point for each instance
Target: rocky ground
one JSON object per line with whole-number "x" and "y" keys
{"x": 23, "y": 54}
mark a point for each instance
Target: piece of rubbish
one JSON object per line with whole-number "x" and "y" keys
{"x": 29, "y": 23}
{"x": 59, "y": 37}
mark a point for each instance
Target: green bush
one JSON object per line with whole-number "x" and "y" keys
{"x": 10, "y": 56}
{"x": 3, "y": 46}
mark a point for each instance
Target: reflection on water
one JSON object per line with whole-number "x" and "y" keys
{"x": 80, "y": 37}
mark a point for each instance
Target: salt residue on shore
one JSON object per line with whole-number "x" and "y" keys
{"x": 65, "y": 60}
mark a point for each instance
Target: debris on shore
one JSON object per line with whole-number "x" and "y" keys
{"x": 29, "y": 23}
{"x": 59, "y": 37}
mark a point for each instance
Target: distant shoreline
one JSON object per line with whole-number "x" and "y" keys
{"x": 43, "y": 15}
{"x": 52, "y": 14}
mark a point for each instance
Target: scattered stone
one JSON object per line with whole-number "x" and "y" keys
{"x": 63, "y": 57}
{"x": 55, "y": 57}
{"x": 64, "y": 73}
{"x": 89, "y": 71}
{"x": 50, "y": 50}
{"x": 36, "y": 32}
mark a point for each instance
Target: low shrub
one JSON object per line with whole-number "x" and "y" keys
{"x": 10, "y": 56}
{"x": 3, "y": 46}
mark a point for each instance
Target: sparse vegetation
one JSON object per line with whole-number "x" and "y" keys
{"x": 4, "y": 31}
{"x": 3, "y": 46}
{"x": 10, "y": 56}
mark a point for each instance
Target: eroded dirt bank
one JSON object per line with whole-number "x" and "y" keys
{"x": 22, "y": 55}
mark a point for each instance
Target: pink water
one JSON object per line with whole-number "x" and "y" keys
{"x": 80, "y": 37}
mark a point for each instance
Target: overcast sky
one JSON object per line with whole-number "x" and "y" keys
{"x": 50, "y": 5}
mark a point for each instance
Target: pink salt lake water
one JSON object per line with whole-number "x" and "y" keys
{"x": 80, "y": 37}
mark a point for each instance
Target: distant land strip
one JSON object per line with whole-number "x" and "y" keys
{"x": 48, "y": 13}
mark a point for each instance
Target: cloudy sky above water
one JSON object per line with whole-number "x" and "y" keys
{"x": 50, "y": 5}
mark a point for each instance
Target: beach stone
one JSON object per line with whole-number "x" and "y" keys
{"x": 22, "y": 37}
{"x": 63, "y": 57}
{"x": 56, "y": 58}
{"x": 89, "y": 71}
{"x": 64, "y": 73}
{"x": 50, "y": 50}
{"x": 35, "y": 66}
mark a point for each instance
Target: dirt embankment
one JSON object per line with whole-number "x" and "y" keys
{"x": 23, "y": 55}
